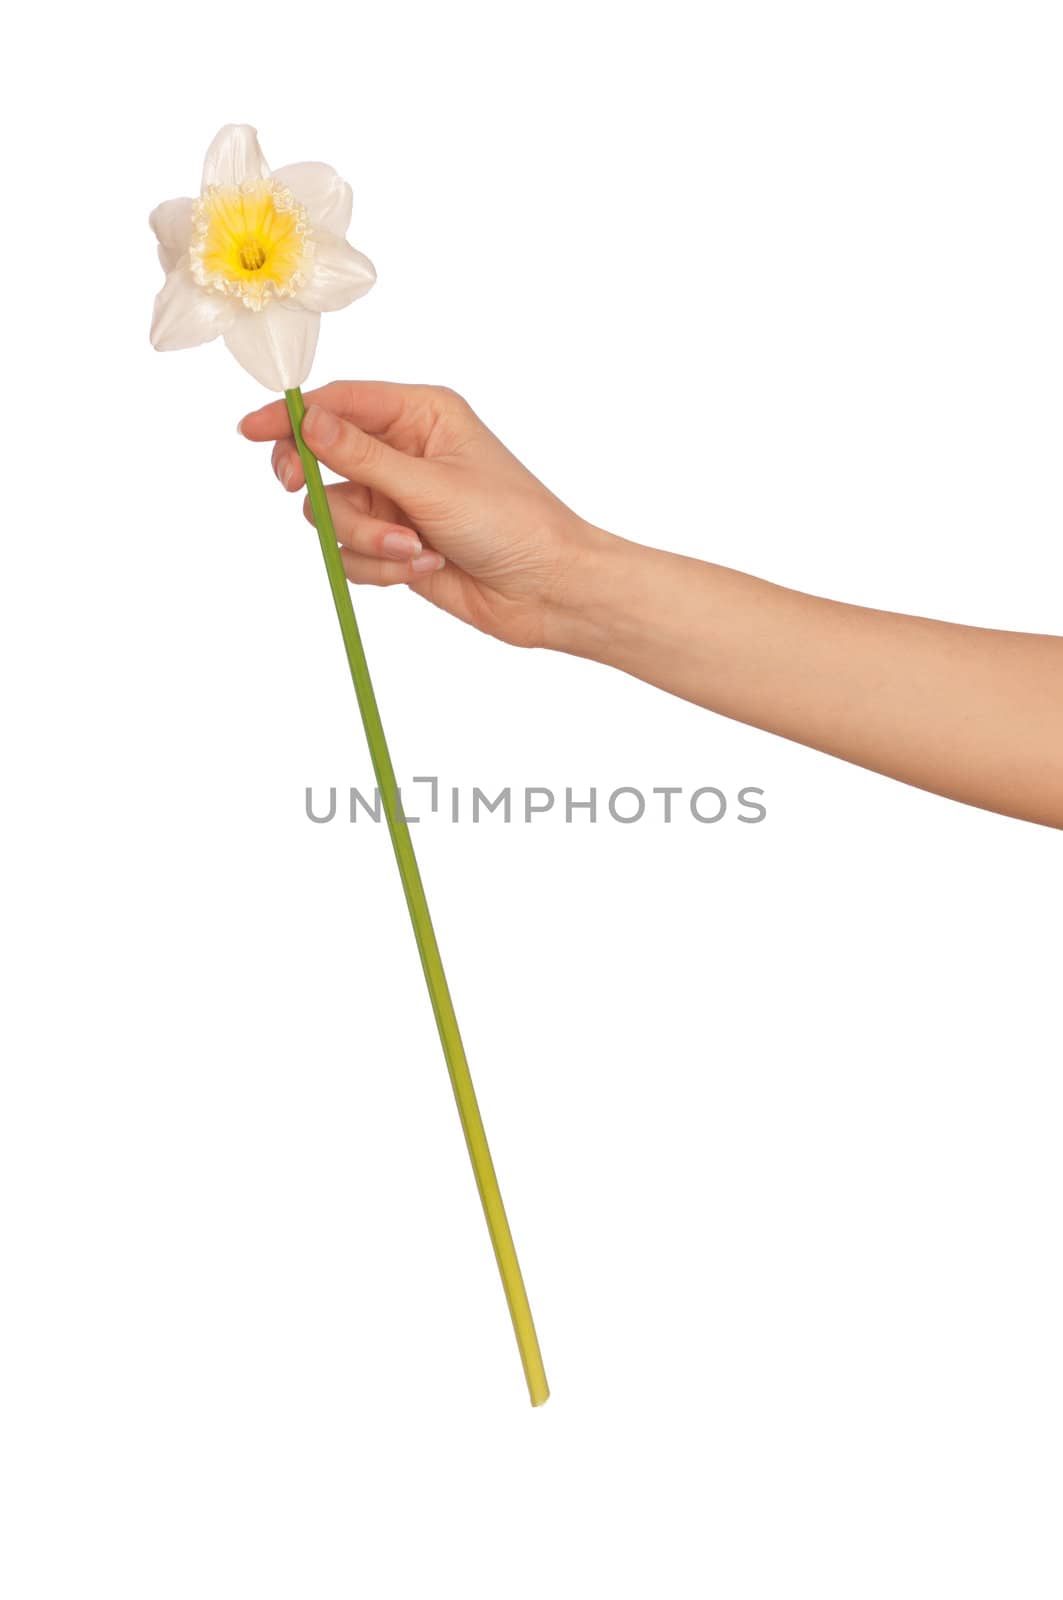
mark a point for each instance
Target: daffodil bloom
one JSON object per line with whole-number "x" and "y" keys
{"x": 256, "y": 258}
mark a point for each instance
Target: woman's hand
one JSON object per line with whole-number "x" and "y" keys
{"x": 972, "y": 713}
{"x": 435, "y": 501}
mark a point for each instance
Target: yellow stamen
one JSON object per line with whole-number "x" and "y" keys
{"x": 252, "y": 255}
{"x": 253, "y": 242}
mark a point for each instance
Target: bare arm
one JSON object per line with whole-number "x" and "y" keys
{"x": 435, "y": 501}
{"x": 972, "y": 713}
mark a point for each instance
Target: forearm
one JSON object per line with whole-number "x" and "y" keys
{"x": 970, "y": 713}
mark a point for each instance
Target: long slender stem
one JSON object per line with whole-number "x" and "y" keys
{"x": 435, "y": 978}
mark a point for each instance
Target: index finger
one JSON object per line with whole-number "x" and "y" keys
{"x": 374, "y": 407}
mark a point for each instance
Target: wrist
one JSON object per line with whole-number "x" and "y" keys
{"x": 581, "y": 613}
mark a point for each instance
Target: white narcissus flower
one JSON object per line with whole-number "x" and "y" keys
{"x": 256, "y": 258}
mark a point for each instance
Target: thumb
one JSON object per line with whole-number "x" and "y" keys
{"x": 345, "y": 448}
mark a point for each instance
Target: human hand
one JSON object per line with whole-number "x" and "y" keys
{"x": 435, "y": 501}
{"x": 971, "y": 713}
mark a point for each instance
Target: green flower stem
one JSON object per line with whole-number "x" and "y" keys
{"x": 446, "y": 1022}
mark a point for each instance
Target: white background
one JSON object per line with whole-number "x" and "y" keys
{"x": 777, "y": 1109}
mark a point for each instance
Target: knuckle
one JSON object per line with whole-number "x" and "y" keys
{"x": 449, "y": 398}
{"x": 349, "y": 533}
{"x": 331, "y": 395}
{"x": 284, "y": 463}
{"x": 360, "y": 449}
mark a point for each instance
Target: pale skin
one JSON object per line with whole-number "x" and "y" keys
{"x": 432, "y": 499}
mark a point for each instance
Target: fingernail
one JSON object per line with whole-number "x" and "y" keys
{"x": 287, "y": 475}
{"x": 322, "y": 424}
{"x": 431, "y": 561}
{"x": 240, "y": 427}
{"x": 397, "y": 542}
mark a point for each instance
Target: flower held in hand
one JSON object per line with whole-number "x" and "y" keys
{"x": 256, "y": 258}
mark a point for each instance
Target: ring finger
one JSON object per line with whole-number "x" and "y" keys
{"x": 389, "y": 542}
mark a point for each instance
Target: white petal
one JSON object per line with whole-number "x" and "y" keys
{"x": 341, "y": 274}
{"x": 275, "y": 345}
{"x": 322, "y": 191}
{"x": 234, "y": 158}
{"x": 171, "y": 224}
{"x": 185, "y": 314}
